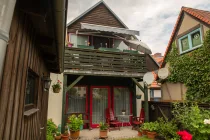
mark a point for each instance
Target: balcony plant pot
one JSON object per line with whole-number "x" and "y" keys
{"x": 74, "y": 134}
{"x": 151, "y": 135}
{"x": 103, "y": 133}
{"x": 56, "y": 90}
{"x": 65, "y": 137}
{"x": 57, "y": 137}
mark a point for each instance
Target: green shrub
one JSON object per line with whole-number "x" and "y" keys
{"x": 51, "y": 129}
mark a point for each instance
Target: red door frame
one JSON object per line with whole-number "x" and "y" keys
{"x": 131, "y": 109}
{"x": 91, "y": 102}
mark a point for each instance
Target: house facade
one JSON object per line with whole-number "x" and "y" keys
{"x": 100, "y": 67}
{"x": 33, "y": 49}
{"x": 188, "y": 35}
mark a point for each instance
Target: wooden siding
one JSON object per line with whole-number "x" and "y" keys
{"x": 104, "y": 62}
{"x": 22, "y": 54}
{"x": 100, "y": 15}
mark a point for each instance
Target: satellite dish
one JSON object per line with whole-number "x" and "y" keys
{"x": 163, "y": 73}
{"x": 149, "y": 78}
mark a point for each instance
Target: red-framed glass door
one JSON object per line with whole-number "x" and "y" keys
{"x": 99, "y": 101}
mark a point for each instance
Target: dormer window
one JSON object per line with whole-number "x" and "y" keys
{"x": 190, "y": 41}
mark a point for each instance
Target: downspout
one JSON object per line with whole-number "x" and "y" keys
{"x": 6, "y": 14}
{"x": 60, "y": 12}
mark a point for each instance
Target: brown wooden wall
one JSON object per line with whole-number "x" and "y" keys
{"x": 22, "y": 54}
{"x": 100, "y": 15}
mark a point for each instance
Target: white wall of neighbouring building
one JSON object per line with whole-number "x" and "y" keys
{"x": 55, "y": 100}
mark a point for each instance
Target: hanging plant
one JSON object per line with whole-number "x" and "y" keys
{"x": 57, "y": 86}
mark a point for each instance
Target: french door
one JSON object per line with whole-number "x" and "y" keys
{"x": 99, "y": 101}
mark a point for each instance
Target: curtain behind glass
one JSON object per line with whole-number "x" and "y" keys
{"x": 100, "y": 103}
{"x": 121, "y": 101}
{"x": 76, "y": 100}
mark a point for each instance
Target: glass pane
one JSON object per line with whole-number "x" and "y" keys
{"x": 77, "y": 100}
{"x": 30, "y": 89}
{"x": 100, "y": 103}
{"x": 185, "y": 44}
{"x": 73, "y": 39}
{"x": 121, "y": 101}
{"x": 196, "y": 39}
{"x": 82, "y": 40}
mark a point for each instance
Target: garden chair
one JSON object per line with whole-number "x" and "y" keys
{"x": 112, "y": 120}
{"x": 137, "y": 121}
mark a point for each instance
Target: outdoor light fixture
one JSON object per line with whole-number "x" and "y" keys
{"x": 47, "y": 82}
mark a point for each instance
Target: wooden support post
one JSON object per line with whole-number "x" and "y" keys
{"x": 145, "y": 91}
{"x": 146, "y": 106}
{"x": 65, "y": 89}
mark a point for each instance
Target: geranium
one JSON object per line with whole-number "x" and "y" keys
{"x": 184, "y": 135}
{"x": 57, "y": 85}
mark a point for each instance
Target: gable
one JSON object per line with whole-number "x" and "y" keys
{"x": 99, "y": 15}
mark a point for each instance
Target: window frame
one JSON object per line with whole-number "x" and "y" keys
{"x": 190, "y": 41}
{"x": 34, "y": 104}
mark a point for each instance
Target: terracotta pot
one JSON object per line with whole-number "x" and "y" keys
{"x": 144, "y": 132}
{"x": 103, "y": 133}
{"x": 140, "y": 133}
{"x": 74, "y": 134}
{"x": 56, "y": 90}
{"x": 57, "y": 137}
{"x": 64, "y": 137}
{"x": 151, "y": 135}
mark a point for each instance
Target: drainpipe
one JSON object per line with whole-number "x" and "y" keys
{"x": 60, "y": 11}
{"x": 6, "y": 14}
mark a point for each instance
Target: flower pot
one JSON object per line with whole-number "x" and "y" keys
{"x": 65, "y": 137}
{"x": 103, "y": 133}
{"x": 144, "y": 132}
{"x": 138, "y": 96}
{"x": 57, "y": 137}
{"x": 123, "y": 113}
{"x": 74, "y": 134}
{"x": 140, "y": 133}
{"x": 151, "y": 135}
{"x": 56, "y": 90}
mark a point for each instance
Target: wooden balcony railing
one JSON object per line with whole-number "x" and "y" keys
{"x": 97, "y": 62}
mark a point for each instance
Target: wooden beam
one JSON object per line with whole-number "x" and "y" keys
{"x": 139, "y": 85}
{"x": 74, "y": 83}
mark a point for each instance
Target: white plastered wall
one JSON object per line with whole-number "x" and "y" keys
{"x": 139, "y": 101}
{"x": 55, "y": 100}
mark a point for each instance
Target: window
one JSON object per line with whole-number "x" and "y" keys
{"x": 78, "y": 40}
{"x": 190, "y": 41}
{"x": 76, "y": 100}
{"x": 31, "y": 90}
{"x": 155, "y": 95}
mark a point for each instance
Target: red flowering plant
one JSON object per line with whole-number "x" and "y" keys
{"x": 184, "y": 135}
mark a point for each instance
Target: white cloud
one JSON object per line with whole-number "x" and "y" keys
{"x": 154, "y": 18}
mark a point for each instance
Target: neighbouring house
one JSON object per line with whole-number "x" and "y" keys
{"x": 33, "y": 47}
{"x": 188, "y": 35}
{"x": 101, "y": 67}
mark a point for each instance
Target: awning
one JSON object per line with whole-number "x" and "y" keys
{"x": 109, "y": 29}
{"x": 138, "y": 45}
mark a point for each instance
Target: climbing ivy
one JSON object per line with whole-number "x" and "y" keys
{"x": 192, "y": 69}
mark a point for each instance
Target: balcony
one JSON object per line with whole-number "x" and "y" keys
{"x": 81, "y": 61}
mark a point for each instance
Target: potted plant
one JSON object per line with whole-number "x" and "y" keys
{"x": 74, "y": 125}
{"x": 140, "y": 132}
{"x": 144, "y": 128}
{"x": 51, "y": 129}
{"x": 57, "y": 87}
{"x": 152, "y": 129}
{"x": 57, "y": 136}
{"x": 65, "y": 135}
{"x": 123, "y": 111}
{"x": 103, "y": 129}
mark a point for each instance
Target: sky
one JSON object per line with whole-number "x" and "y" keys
{"x": 155, "y": 19}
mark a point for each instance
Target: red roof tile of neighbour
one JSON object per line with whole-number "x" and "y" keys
{"x": 201, "y": 15}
